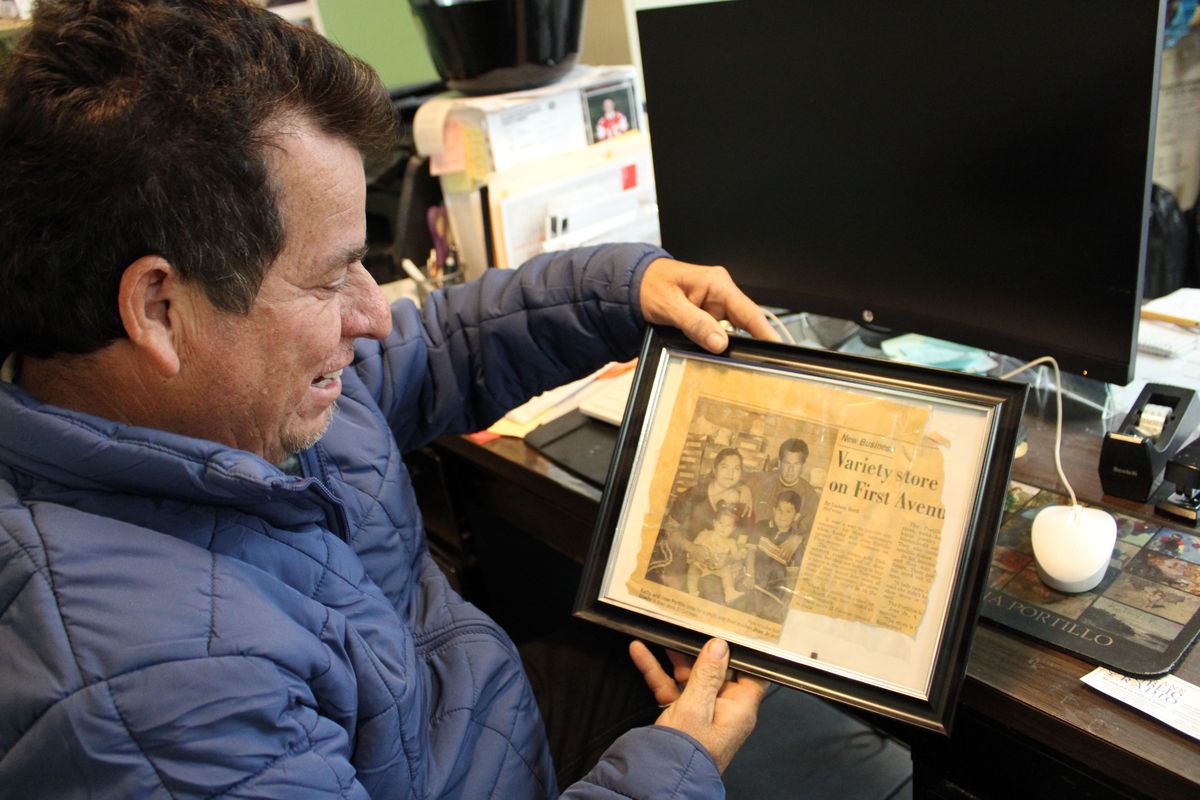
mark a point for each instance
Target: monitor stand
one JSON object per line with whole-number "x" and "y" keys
{"x": 1086, "y": 401}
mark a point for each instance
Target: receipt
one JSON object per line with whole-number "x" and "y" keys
{"x": 1168, "y": 699}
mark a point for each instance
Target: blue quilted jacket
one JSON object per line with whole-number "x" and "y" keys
{"x": 179, "y": 619}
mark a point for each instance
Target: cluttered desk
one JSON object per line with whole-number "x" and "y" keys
{"x": 1025, "y": 694}
{"x": 1021, "y": 695}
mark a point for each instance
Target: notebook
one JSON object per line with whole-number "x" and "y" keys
{"x": 1165, "y": 339}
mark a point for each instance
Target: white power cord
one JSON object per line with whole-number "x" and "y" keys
{"x": 413, "y": 272}
{"x": 783, "y": 330}
{"x": 1058, "y": 421}
{"x": 784, "y": 333}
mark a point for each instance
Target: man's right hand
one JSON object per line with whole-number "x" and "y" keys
{"x": 718, "y": 713}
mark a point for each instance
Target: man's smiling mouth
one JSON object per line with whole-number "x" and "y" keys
{"x": 321, "y": 381}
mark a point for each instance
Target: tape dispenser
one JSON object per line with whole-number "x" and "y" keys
{"x": 1132, "y": 458}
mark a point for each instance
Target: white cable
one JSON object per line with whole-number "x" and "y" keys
{"x": 1058, "y": 422}
{"x": 787, "y": 335}
{"x": 411, "y": 270}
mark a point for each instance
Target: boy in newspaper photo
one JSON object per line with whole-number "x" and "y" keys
{"x": 777, "y": 549}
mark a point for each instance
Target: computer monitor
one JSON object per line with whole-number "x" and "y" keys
{"x": 973, "y": 170}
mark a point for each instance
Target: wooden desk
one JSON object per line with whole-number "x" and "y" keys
{"x": 1025, "y": 723}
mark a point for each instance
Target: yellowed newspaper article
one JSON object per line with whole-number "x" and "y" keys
{"x": 873, "y": 551}
{"x": 769, "y": 495}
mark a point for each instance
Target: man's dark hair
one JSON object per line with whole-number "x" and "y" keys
{"x": 138, "y": 127}
{"x": 793, "y": 446}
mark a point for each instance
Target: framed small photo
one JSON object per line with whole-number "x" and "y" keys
{"x": 831, "y": 516}
{"x": 611, "y": 111}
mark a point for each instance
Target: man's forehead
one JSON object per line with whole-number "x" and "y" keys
{"x": 321, "y": 193}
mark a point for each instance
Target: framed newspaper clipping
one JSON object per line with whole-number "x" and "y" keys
{"x": 830, "y": 516}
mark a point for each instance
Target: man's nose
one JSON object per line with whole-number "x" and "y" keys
{"x": 368, "y": 314}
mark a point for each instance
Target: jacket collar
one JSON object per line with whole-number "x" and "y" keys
{"x": 59, "y": 449}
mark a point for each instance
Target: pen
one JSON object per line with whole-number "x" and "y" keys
{"x": 1161, "y": 317}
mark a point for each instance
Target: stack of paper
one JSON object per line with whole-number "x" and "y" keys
{"x": 1165, "y": 339}
{"x": 552, "y": 404}
{"x": 526, "y": 171}
{"x": 608, "y": 402}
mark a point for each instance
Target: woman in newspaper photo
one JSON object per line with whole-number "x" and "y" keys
{"x": 694, "y": 511}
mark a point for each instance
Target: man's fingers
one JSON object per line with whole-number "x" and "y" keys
{"x": 719, "y": 714}
{"x": 665, "y": 689}
{"x": 744, "y": 313}
{"x": 699, "y": 325}
{"x": 682, "y": 666}
{"x": 694, "y": 298}
{"x": 747, "y": 687}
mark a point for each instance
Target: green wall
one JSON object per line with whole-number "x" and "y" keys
{"x": 383, "y": 33}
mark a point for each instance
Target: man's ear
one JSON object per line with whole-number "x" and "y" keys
{"x": 148, "y": 294}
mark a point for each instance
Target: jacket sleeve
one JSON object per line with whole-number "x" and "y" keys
{"x": 654, "y": 762}
{"x": 477, "y": 350}
{"x": 209, "y": 728}
{"x": 136, "y": 665}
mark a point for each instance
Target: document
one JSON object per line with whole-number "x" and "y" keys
{"x": 1168, "y": 699}
{"x": 872, "y": 555}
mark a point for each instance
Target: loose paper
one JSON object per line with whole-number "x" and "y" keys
{"x": 1168, "y": 699}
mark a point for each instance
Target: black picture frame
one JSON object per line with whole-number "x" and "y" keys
{"x": 817, "y": 588}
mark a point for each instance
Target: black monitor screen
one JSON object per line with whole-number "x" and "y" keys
{"x": 974, "y": 170}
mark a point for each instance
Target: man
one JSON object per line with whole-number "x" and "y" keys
{"x": 213, "y": 577}
{"x": 766, "y": 486}
{"x": 612, "y": 123}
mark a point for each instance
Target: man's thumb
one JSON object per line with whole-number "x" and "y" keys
{"x": 698, "y": 325}
{"x": 707, "y": 332}
{"x": 708, "y": 673}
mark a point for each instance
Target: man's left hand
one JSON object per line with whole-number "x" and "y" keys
{"x": 702, "y": 699}
{"x": 694, "y": 298}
